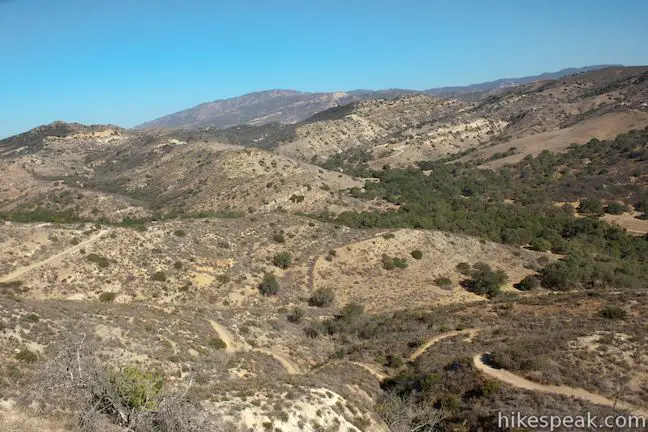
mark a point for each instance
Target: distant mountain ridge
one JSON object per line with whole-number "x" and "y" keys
{"x": 510, "y": 82}
{"x": 292, "y": 106}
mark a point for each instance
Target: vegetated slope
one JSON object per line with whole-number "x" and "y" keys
{"x": 516, "y": 205}
{"x": 98, "y": 173}
{"x": 399, "y": 132}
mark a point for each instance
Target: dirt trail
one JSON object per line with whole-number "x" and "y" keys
{"x": 578, "y": 393}
{"x": 371, "y": 369}
{"x": 288, "y": 366}
{"x": 224, "y": 335}
{"x": 19, "y": 272}
{"x": 232, "y": 347}
{"x": 471, "y": 333}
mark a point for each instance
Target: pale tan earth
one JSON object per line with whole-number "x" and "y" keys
{"x": 608, "y": 126}
{"x": 355, "y": 273}
{"x": 628, "y": 221}
{"x": 471, "y": 333}
{"x": 578, "y": 393}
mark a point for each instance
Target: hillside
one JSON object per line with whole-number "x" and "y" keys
{"x": 74, "y": 172}
{"x": 414, "y": 263}
{"x": 271, "y": 106}
{"x": 528, "y": 118}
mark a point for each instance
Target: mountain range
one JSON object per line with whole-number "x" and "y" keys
{"x": 291, "y": 106}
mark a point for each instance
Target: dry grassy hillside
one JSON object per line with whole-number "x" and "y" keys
{"x": 91, "y": 173}
{"x": 541, "y": 114}
{"x": 162, "y": 297}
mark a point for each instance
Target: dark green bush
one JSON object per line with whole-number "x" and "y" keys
{"x": 417, "y": 254}
{"x": 400, "y": 262}
{"x": 540, "y": 244}
{"x": 387, "y": 262}
{"x": 323, "y": 297}
{"x": 159, "y": 276}
{"x": 529, "y": 283}
{"x": 443, "y": 282}
{"x": 295, "y": 315}
{"x": 107, "y": 296}
{"x": 101, "y": 261}
{"x": 217, "y": 343}
{"x": 486, "y": 281}
{"x": 613, "y": 313}
{"x": 590, "y": 205}
{"x": 269, "y": 285}
{"x": 463, "y": 268}
{"x": 26, "y": 356}
{"x": 282, "y": 260}
{"x": 180, "y": 233}
{"x": 616, "y": 208}
{"x": 33, "y": 318}
{"x": 279, "y": 238}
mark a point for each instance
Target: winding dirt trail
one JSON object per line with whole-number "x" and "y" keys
{"x": 19, "y": 272}
{"x": 471, "y": 333}
{"x": 290, "y": 367}
{"x": 232, "y": 347}
{"x": 372, "y": 370}
{"x": 224, "y": 335}
{"x": 578, "y": 393}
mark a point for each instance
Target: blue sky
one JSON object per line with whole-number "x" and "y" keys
{"x": 125, "y": 62}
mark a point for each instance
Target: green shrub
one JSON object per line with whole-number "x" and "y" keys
{"x": 138, "y": 390}
{"x": 177, "y": 265}
{"x": 490, "y": 387}
{"x": 443, "y": 282}
{"x": 613, "y": 313}
{"x": 463, "y": 268}
{"x": 32, "y": 318}
{"x": 279, "y": 238}
{"x": 616, "y": 208}
{"x": 282, "y": 260}
{"x": 485, "y": 281}
{"x": 387, "y": 262}
{"x": 159, "y": 276}
{"x": 322, "y": 297}
{"x": 101, "y": 261}
{"x": 590, "y": 205}
{"x": 351, "y": 312}
{"x": 400, "y": 262}
{"x": 529, "y": 283}
{"x": 180, "y": 233}
{"x": 269, "y": 285}
{"x": 311, "y": 331}
{"x": 390, "y": 263}
{"x": 295, "y": 315}
{"x": 217, "y": 343}
{"x": 107, "y": 296}
{"x": 26, "y": 356}
{"x": 540, "y": 244}
{"x": 417, "y": 254}
{"x": 394, "y": 361}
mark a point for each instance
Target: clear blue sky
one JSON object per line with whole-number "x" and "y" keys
{"x": 125, "y": 62}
